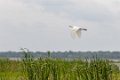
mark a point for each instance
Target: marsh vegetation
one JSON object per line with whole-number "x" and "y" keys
{"x": 57, "y": 69}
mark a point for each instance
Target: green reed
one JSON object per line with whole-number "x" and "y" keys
{"x": 57, "y": 69}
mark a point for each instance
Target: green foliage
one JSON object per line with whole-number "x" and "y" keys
{"x": 57, "y": 69}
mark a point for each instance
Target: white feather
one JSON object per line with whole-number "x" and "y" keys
{"x": 76, "y": 31}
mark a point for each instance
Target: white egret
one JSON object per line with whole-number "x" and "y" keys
{"x": 76, "y": 31}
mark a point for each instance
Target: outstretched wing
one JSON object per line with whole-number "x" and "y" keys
{"x": 78, "y": 33}
{"x": 73, "y": 33}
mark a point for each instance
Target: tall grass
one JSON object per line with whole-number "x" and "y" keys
{"x": 59, "y": 69}
{"x": 9, "y": 70}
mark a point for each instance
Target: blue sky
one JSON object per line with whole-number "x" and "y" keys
{"x": 42, "y": 25}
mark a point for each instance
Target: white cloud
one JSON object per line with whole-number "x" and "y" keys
{"x": 43, "y": 25}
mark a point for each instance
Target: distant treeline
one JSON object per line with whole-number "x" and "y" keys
{"x": 66, "y": 54}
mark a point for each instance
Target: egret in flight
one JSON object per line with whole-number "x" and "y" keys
{"x": 76, "y": 31}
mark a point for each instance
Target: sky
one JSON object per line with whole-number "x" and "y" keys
{"x": 42, "y": 25}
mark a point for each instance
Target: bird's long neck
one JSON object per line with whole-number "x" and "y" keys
{"x": 84, "y": 29}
